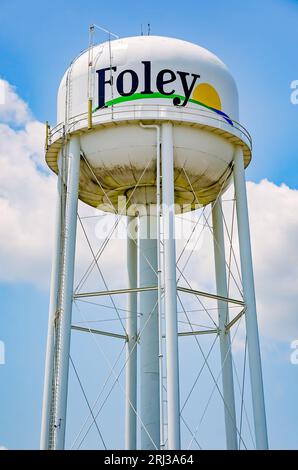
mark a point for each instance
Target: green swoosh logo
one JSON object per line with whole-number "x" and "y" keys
{"x": 141, "y": 96}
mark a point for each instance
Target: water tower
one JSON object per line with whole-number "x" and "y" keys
{"x": 148, "y": 127}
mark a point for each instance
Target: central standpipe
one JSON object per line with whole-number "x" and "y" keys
{"x": 170, "y": 286}
{"x": 223, "y": 320}
{"x": 149, "y": 344}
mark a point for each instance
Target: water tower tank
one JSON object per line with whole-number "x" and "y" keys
{"x": 149, "y": 79}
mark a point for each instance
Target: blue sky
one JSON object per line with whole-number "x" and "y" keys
{"x": 258, "y": 41}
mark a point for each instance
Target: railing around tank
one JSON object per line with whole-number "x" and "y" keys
{"x": 132, "y": 112}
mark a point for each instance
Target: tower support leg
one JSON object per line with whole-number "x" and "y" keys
{"x": 47, "y": 407}
{"x": 224, "y": 335}
{"x": 170, "y": 286}
{"x": 132, "y": 332}
{"x": 62, "y": 344}
{"x": 149, "y": 345}
{"x": 253, "y": 345}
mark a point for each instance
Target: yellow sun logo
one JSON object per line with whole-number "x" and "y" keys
{"x": 207, "y": 95}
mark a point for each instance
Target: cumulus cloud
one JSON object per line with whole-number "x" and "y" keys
{"x": 13, "y": 109}
{"x": 27, "y": 204}
{"x": 274, "y": 231}
{"x": 28, "y": 199}
{"x": 26, "y": 194}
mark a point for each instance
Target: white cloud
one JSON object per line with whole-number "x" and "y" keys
{"x": 12, "y": 108}
{"x": 274, "y": 233}
{"x": 274, "y": 228}
{"x": 28, "y": 199}
{"x": 27, "y": 203}
{"x": 26, "y": 196}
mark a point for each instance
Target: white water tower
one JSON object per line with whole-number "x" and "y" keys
{"x": 151, "y": 121}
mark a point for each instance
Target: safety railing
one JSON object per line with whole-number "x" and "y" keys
{"x": 134, "y": 112}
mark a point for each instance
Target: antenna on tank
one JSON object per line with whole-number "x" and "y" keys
{"x": 90, "y": 75}
{"x": 149, "y": 29}
{"x": 142, "y": 34}
{"x": 106, "y": 31}
{"x": 92, "y": 28}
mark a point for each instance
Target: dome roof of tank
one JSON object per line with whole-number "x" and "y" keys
{"x": 139, "y": 47}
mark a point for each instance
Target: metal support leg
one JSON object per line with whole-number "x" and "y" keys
{"x": 149, "y": 345}
{"x": 172, "y": 359}
{"x": 253, "y": 345}
{"x": 66, "y": 292}
{"x": 223, "y": 320}
{"x": 53, "y": 307}
{"x": 132, "y": 331}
